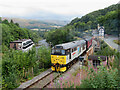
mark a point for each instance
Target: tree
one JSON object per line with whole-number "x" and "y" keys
{"x": 0, "y": 20}
{"x": 5, "y": 21}
{"x": 11, "y": 21}
{"x": 17, "y": 24}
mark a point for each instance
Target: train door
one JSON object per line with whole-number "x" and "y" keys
{"x": 68, "y": 52}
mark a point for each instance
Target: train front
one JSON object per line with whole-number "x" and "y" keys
{"x": 58, "y": 59}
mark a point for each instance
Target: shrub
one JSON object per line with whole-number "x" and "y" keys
{"x": 18, "y": 66}
{"x": 102, "y": 79}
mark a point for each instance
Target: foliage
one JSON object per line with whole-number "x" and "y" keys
{"x": 117, "y": 41}
{"x": 107, "y": 17}
{"x": 18, "y": 66}
{"x": 105, "y": 50}
{"x": 102, "y": 79}
{"x": 59, "y": 36}
{"x": 11, "y": 31}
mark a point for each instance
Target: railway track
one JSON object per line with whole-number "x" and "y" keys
{"x": 44, "y": 79}
{"x": 42, "y": 83}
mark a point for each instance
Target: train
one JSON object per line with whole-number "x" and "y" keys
{"x": 23, "y": 44}
{"x": 64, "y": 54}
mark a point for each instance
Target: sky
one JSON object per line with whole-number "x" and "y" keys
{"x": 42, "y": 8}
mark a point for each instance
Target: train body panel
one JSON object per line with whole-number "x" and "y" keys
{"x": 58, "y": 59}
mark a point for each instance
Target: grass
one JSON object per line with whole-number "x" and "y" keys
{"x": 117, "y": 41}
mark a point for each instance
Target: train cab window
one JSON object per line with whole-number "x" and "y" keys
{"x": 63, "y": 52}
{"x": 58, "y": 52}
{"x": 53, "y": 51}
{"x": 67, "y": 52}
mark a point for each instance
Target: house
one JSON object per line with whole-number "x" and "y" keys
{"x": 95, "y": 60}
{"x": 101, "y": 31}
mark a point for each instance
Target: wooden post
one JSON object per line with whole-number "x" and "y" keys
{"x": 23, "y": 71}
{"x": 32, "y": 70}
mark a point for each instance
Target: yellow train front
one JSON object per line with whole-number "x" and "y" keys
{"x": 59, "y": 63}
{"x": 63, "y": 54}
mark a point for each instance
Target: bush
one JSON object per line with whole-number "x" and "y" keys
{"x": 102, "y": 79}
{"x": 18, "y": 66}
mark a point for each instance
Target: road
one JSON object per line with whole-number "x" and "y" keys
{"x": 109, "y": 41}
{"x": 43, "y": 43}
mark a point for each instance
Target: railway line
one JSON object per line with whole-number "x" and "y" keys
{"x": 42, "y": 83}
{"x": 45, "y": 78}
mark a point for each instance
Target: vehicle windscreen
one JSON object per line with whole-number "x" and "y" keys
{"x": 58, "y": 52}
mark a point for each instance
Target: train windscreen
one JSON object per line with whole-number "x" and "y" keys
{"x": 58, "y": 52}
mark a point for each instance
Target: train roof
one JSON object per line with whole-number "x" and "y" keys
{"x": 20, "y": 41}
{"x": 70, "y": 44}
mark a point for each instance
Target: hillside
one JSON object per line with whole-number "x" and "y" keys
{"x": 108, "y": 17}
{"x": 39, "y": 24}
{"x": 11, "y": 31}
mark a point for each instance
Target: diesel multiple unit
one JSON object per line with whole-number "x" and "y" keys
{"x": 63, "y": 54}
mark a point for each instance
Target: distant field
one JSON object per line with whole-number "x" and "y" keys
{"x": 37, "y": 24}
{"x": 117, "y": 41}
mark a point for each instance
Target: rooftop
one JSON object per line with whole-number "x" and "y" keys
{"x": 19, "y": 41}
{"x": 95, "y": 57}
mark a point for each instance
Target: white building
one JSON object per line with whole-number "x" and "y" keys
{"x": 101, "y": 31}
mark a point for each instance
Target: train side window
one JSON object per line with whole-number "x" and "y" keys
{"x": 72, "y": 50}
{"x": 75, "y": 48}
{"x": 80, "y": 49}
{"x": 83, "y": 46}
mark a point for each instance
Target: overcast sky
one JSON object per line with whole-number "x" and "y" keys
{"x": 62, "y": 7}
